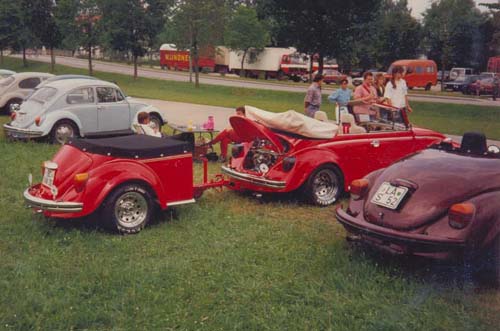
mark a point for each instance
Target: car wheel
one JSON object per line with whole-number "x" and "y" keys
{"x": 428, "y": 87}
{"x": 324, "y": 186}
{"x": 127, "y": 209}
{"x": 62, "y": 131}
{"x": 156, "y": 120}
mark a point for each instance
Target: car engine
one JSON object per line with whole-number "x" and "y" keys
{"x": 261, "y": 156}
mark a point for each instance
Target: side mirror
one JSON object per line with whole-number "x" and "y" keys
{"x": 493, "y": 149}
{"x": 15, "y": 107}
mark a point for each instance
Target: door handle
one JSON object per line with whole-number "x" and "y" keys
{"x": 375, "y": 143}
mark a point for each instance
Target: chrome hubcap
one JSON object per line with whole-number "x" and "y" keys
{"x": 131, "y": 209}
{"x": 325, "y": 186}
{"x": 64, "y": 132}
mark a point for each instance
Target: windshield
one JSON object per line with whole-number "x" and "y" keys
{"x": 43, "y": 94}
{"x": 386, "y": 118}
{"x": 6, "y": 81}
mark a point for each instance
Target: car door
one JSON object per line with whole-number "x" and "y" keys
{"x": 386, "y": 147}
{"x": 82, "y": 103}
{"x": 113, "y": 112}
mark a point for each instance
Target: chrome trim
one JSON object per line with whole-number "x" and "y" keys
{"x": 49, "y": 205}
{"x": 23, "y": 132}
{"x": 254, "y": 179}
{"x": 182, "y": 202}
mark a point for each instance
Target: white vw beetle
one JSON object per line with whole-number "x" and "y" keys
{"x": 77, "y": 108}
{"x": 16, "y": 87}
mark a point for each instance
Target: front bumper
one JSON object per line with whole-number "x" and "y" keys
{"x": 398, "y": 242}
{"x": 50, "y": 205}
{"x": 18, "y": 133}
{"x": 259, "y": 181}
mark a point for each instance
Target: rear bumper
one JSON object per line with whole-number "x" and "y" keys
{"x": 255, "y": 180}
{"x": 50, "y": 205}
{"x": 398, "y": 242}
{"x": 18, "y": 133}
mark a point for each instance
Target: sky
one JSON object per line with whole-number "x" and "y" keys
{"x": 419, "y": 6}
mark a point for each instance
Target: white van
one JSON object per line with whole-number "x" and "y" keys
{"x": 460, "y": 72}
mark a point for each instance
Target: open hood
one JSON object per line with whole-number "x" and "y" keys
{"x": 436, "y": 180}
{"x": 249, "y": 130}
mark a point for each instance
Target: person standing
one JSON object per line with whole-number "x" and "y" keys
{"x": 366, "y": 95}
{"x": 380, "y": 87}
{"x": 396, "y": 91}
{"x": 312, "y": 100}
{"x": 341, "y": 97}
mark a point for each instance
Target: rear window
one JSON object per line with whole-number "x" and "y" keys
{"x": 430, "y": 69}
{"x": 6, "y": 81}
{"x": 80, "y": 96}
{"x": 29, "y": 83}
{"x": 44, "y": 94}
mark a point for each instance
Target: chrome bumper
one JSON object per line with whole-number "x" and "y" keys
{"x": 49, "y": 205}
{"x": 21, "y": 133}
{"x": 253, "y": 179}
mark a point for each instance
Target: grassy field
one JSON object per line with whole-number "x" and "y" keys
{"x": 446, "y": 118}
{"x": 228, "y": 262}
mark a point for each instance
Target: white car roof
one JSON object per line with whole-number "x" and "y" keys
{"x": 69, "y": 84}
{"x": 22, "y": 75}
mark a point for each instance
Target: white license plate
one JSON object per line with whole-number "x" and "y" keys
{"x": 389, "y": 196}
{"x": 48, "y": 177}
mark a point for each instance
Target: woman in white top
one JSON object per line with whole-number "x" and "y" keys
{"x": 396, "y": 91}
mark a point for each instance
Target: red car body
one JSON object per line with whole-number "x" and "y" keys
{"x": 333, "y": 76}
{"x": 481, "y": 86}
{"x": 447, "y": 205}
{"x": 276, "y": 161}
{"x": 87, "y": 174}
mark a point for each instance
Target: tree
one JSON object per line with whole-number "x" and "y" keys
{"x": 21, "y": 27}
{"x": 198, "y": 25}
{"x": 44, "y": 26}
{"x": 245, "y": 32}
{"x": 7, "y": 23}
{"x": 454, "y": 33}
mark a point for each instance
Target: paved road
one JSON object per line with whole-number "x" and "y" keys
{"x": 206, "y": 79}
{"x": 183, "y": 113}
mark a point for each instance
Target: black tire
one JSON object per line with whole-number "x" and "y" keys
{"x": 127, "y": 209}
{"x": 62, "y": 131}
{"x": 154, "y": 118}
{"x": 428, "y": 87}
{"x": 324, "y": 186}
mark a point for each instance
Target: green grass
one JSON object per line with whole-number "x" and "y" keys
{"x": 228, "y": 262}
{"x": 446, "y": 118}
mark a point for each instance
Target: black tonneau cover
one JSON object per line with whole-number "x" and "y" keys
{"x": 133, "y": 146}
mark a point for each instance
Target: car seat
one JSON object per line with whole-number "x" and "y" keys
{"x": 349, "y": 119}
{"x": 474, "y": 143}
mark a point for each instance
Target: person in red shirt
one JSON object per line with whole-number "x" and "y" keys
{"x": 367, "y": 94}
{"x": 227, "y": 136}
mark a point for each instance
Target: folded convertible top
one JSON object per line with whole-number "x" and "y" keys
{"x": 133, "y": 146}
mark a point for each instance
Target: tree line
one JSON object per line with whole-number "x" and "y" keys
{"x": 358, "y": 33}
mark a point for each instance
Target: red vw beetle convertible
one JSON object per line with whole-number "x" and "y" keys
{"x": 121, "y": 178}
{"x": 439, "y": 203}
{"x": 288, "y": 151}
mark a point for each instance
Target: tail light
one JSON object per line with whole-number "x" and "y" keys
{"x": 289, "y": 162}
{"x": 237, "y": 150}
{"x": 13, "y": 115}
{"x": 80, "y": 180}
{"x": 359, "y": 187}
{"x": 38, "y": 120}
{"x": 460, "y": 215}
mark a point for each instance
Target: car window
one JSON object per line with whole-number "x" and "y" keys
{"x": 29, "y": 83}
{"x": 6, "y": 81}
{"x": 80, "y": 96}
{"x": 119, "y": 96}
{"x": 430, "y": 69}
{"x": 409, "y": 70}
{"x": 105, "y": 94}
{"x": 419, "y": 70}
{"x": 43, "y": 95}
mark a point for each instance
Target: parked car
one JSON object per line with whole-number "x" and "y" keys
{"x": 6, "y": 73}
{"x": 359, "y": 80}
{"x": 480, "y": 87}
{"x": 332, "y": 76}
{"x": 121, "y": 180}
{"x": 77, "y": 108}
{"x": 456, "y": 73}
{"x": 289, "y": 152}
{"x": 417, "y": 73}
{"x": 460, "y": 84}
{"x": 356, "y": 72}
{"x": 16, "y": 87}
{"x": 440, "y": 203}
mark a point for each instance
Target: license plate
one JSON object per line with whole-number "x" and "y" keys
{"x": 48, "y": 177}
{"x": 389, "y": 196}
